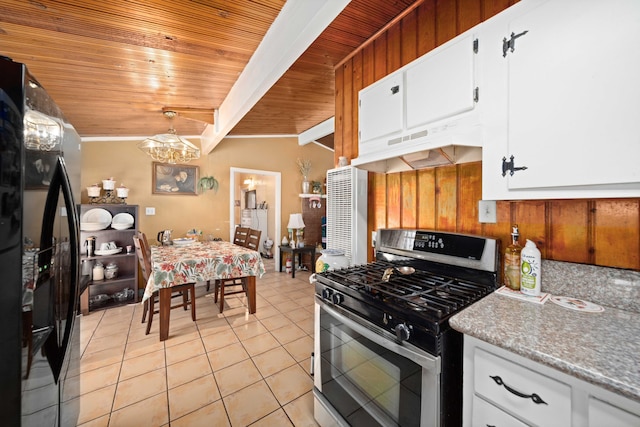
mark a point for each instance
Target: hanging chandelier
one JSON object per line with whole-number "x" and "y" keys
{"x": 169, "y": 147}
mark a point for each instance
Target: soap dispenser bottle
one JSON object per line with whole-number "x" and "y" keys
{"x": 512, "y": 261}
{"x": 531, "y": 277}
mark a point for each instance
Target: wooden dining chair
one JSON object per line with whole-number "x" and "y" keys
{"x": 185, "y": 291}
{"x": 240, "y": 236}
{"x": 245, "y": 237}
{"x": 253, "y": 239}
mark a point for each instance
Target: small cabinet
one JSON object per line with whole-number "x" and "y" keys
{"x": 380, "y": 109}
{"x": 443, "y": 84}
{"x": 420, "y": 105}
{"x": 604, "y": 414}
{"x": 503, "y": 388}
{"x": 535, "y": 398}
{"x": 123, "y": 289}
{"x": 561, "y": 90}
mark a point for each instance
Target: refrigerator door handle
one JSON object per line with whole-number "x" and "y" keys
{"x": 55, "y": 349}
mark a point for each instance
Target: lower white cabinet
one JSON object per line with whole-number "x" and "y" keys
{"x": 535, "y": 398}
{"x": 505, "y": 389}
{"x": 485, "y": 414}
{"x": 604, "y": 414}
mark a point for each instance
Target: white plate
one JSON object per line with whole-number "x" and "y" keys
{"x": 108, "y": 251}
{"x": 183, "y": 242}
{"x": 97, "y": 215}
{"x": 577, "y": 304}
{"x": 93, "y": 226}
{"x": 122, "y": 219}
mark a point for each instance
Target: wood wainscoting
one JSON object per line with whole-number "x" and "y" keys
{"x": 602, "y": 232}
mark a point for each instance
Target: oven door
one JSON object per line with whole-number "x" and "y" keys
{"x": 362, "y": 376}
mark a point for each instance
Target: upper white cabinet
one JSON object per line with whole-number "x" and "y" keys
{"x": 560, "y": 89}
{"x": 441, "y": 85}
{"x": 380, "y": 108}
{"x": 429, "y": 103}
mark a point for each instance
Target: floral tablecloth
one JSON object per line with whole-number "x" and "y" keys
{"x": 175, "y": 265}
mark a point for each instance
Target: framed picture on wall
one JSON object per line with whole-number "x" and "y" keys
{"x": 174, "y": 179}
{"x": 39, "y": 167}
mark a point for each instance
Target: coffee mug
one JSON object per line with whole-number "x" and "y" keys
{"x": 342, "y": 161}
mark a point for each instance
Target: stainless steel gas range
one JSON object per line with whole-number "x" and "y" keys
{"x": 384, "y": 353}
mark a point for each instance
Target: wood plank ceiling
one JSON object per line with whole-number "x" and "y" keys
{"x": 113, "y": 66}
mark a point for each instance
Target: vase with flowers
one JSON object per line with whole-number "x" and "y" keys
{"x": 304, "y": 166}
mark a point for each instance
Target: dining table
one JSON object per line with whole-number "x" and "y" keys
{"x": 173, "y": 265}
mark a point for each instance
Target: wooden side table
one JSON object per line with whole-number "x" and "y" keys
{"x": 299, "y": 251}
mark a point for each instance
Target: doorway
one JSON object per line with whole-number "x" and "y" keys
{"x": 270, "y": 183}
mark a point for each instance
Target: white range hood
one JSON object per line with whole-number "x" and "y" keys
{"x": 445, "y": 145}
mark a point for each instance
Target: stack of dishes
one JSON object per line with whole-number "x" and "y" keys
{"x": 122, "y": 221}
{"x": 183, "y": 242}
{"x": 95, "y": 219}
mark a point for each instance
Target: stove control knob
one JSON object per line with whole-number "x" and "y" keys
{"x": 402, "y": 331}
{"x": 326, "y": 293}
{"x": 337, "y": 298}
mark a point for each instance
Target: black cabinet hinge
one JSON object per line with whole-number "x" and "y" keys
{"x": 510, "y": 45}
{"x": 510, "y": 166}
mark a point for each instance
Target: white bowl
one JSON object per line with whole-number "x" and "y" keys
{"x": 122, "y": 221}
{"x": 108, "y": 184}
{"x": 122, "y": 192}
{"x": 93, "y": 191}
{"x": 121, "y": 226}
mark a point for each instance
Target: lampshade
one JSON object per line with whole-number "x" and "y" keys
{"x": 169, "y": 147}
{"x": 295, "y": 221}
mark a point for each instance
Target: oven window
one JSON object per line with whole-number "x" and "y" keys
{"x": 365, "y": 382}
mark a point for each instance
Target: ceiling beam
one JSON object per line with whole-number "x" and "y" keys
{"x": 197, "y": 114}
{"x": 318, "y": 131}
{"x": 299, "y": 23}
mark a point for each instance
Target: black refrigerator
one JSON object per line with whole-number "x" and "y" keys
{"x": 39, "y": 255}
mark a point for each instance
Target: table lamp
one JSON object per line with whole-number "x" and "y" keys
{"x": 295, "y": 222}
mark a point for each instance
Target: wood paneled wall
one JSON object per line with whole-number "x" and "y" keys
{"x": 592, "y": 231}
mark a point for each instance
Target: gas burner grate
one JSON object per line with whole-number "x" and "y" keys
{"x": 422, "y": 291}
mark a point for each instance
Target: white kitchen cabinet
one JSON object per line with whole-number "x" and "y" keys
{"x": 564, "y": 102}
{"x": 535, "y": 398}
{"x": 485, "y": 414}
{"x": 380, "y": 108}
{"x": 568, "y": 401}
{"x": 430, "y": 103}
{"x": 443, "y": 84}
{"x": 604, "y": 414}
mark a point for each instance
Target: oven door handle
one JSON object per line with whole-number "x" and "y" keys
{"x": 379, "y": 336}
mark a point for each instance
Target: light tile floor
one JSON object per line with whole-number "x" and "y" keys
{"x": 229, "y": 369}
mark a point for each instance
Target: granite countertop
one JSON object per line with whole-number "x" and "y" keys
{"x": 600, "y": 348}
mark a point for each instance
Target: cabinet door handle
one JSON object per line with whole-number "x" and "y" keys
{"x": 395, "y": 89}
{"x": 536, "y": 399}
